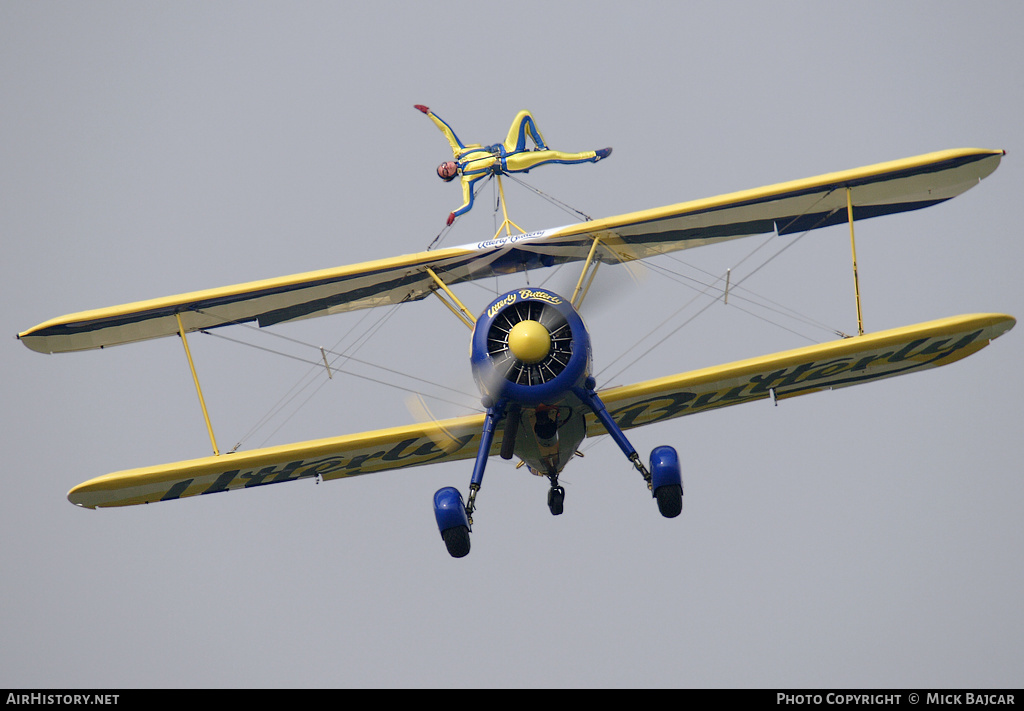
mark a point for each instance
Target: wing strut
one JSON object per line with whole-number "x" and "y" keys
{"x": 581, "y": 291}
{"x": 457, "y": 307}
{"x": 195, "y": 379}
{"x": 853, "y": 250}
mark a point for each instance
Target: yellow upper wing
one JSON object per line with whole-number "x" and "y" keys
{"x": 830, "y": 365}
{"x": 881, "y": 189}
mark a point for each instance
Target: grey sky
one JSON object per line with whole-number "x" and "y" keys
{"x": 866, "y": 537}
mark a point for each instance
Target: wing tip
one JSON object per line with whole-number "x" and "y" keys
{"x": 78, "y": 503}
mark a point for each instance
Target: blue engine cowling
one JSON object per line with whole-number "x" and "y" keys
{"x": 501, "y": 376}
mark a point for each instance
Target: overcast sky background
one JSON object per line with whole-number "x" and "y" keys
{"x": 864, "y": 537}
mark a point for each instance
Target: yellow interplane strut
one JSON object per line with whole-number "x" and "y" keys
{"x": 581, "y": 290}
{"x": 457, "y": 307}
{"x": 853, "y": 250}
{"x": 195, "y": 379}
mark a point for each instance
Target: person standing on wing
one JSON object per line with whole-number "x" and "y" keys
{"x": 475, "y": 161}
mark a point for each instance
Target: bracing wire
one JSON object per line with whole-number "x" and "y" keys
{"x": 448, "y": 228}
{"x": 709, "y": 287}
{"x": 342, "y": 358}
{"x": 775, "y": 306}
{"x": 337, "y": 365}
{"x": 318, "y": 364}
{"x": 736, "y": 293}
{"x": 551, "y": 199}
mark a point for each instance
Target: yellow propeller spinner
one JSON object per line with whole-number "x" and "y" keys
{"x": 529, "y": 341}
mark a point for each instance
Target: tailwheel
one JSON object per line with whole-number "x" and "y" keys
{"x": 456, "y": 540}
{"x": 556, "y": 500}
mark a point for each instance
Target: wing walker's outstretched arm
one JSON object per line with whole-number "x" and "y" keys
{"x": 453, "y": 140}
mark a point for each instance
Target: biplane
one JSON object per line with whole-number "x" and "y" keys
{"x": 530, "y": 350}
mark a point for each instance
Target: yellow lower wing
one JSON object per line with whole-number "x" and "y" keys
{"x": 330, "y": 458}
{"x": 836, "y": 364}
{"x": 830, "y": 365}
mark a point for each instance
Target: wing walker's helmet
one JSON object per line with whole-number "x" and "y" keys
{"x": 447, "y": 171}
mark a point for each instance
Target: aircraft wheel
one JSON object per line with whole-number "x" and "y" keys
{"x": 556, "y": 500}
{"x": 667, "y": 480}
{"x": 456, "y": 540}
{"x": 452, "y": 520}
{"x": 670, "y": 500}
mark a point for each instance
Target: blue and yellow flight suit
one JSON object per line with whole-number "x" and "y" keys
{"x": 476, "y": 161}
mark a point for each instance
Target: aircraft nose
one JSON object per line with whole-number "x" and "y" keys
{"x": 529, "y": 341}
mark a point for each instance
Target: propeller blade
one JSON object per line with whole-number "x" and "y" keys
{"x": 441, "y": 437}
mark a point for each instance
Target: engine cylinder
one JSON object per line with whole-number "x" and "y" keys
{"x": 529, "y": 346}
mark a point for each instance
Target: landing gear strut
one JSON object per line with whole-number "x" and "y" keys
{"x": 664, "y": 479}
{"x": 455, "y": 519}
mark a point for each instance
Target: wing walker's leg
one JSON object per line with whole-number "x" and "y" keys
{"x": 591, "y": 400}
{"x": 195, "y": 379}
